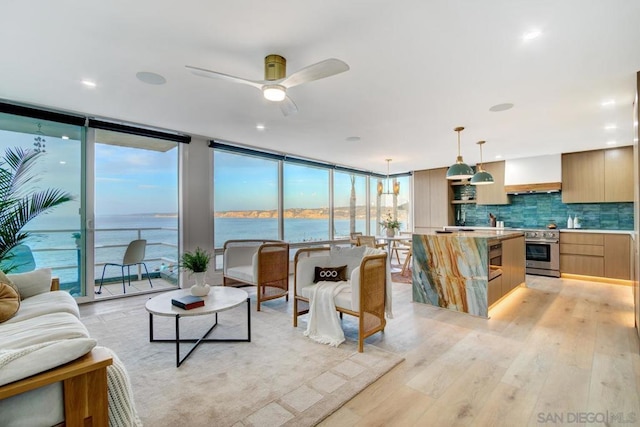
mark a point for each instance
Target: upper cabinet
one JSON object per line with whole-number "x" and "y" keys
{"x": 598, "y": 176}
{"x": 493, "y": 194}
{"x": 618, "y": 174}
{"x": 431, "y": 198}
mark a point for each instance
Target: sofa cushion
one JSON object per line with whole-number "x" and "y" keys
{"x": 32, "y": 283}
{"x": 243, "y": 273}
{"x": 330, "y": 274}
{"x": 45, "y": 303}
{"x": 37, "y": 330}
{"x": 342, "y": 299}
{"x": 21, "y": 362}
{"x": 352, "y": 257}
{"x": 9, "y": 301}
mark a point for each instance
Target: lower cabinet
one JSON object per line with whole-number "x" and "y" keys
{"x": 595, "y": 254}
{"x": 513, "y": 263}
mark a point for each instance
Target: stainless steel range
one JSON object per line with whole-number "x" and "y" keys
{"x": 542, "y": 252}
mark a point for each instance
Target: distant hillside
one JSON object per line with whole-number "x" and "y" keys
{"x": 319, "y": 213}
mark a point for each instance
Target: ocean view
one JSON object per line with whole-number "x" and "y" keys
{"x": 54, "y": 245}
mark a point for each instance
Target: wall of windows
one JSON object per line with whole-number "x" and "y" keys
{"x": 319, "y": 201}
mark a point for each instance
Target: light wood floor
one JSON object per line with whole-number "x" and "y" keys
{"x": 551, "y": 353}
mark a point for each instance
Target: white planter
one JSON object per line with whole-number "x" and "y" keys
{"x": 200, "y": 289}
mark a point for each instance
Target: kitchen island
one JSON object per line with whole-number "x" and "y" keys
{"x": 455, "y": 270}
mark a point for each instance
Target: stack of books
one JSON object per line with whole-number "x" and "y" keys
{"x": 188, "y": 302}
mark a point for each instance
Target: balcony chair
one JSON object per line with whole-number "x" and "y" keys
{"x": 134, "y": 255}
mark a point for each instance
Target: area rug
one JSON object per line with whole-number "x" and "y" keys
{"x": 279, "y": 378}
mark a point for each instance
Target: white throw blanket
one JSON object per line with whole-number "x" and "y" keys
{"x": 323, "y": 325}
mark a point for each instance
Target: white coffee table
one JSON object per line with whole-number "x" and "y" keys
{"x": 220, "y": 298}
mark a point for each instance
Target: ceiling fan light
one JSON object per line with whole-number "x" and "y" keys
{"x": 274, "y": 92}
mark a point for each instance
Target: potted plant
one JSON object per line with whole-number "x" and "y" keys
{"x": 391, "y": 225}
{"x": 197, "y": 263}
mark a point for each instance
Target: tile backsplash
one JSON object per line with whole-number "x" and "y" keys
{"x": 538, "y": 210}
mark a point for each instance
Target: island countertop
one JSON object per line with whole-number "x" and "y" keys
{"x": 452, "y": 269}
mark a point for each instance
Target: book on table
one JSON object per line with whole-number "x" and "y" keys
{"x": 188, "y": 302}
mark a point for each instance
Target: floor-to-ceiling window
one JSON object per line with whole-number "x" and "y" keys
{"x": 136, "y": 197}
{"x": 306, "y": 203}
{"x": 245, "y": 197}
{"x": 56, "y": 237}
{"x": 390, "y": 197}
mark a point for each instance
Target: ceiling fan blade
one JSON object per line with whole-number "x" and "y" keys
{"x": 320, "y": 70}
{"x": 288, "y": 107}
{"x": 215, "y": 75}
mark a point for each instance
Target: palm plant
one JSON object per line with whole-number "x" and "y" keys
{"x": 19, "y": 204}
{"x": 197, "y": 261}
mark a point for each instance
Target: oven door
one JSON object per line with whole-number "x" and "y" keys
{"x": 543, "y": 255}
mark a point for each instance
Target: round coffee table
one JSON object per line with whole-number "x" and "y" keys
{"x": 220, "y": 298}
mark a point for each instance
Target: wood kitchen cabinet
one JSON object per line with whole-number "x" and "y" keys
{"x": 598, "y": 176}
{"x": 432, "y": 198}
{"x": 513, "y": 263}
{"x": 595, "y": 254}
{"x": 493, "y": 194}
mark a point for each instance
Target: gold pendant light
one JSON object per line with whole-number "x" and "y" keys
{"x": 396, "y": 184}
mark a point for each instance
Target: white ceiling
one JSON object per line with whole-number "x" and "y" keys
{"x": 418, "y": 69}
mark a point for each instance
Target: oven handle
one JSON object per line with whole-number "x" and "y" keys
{"x": 542, "y": 241}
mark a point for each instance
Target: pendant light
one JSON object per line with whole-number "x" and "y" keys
{"x": 459, "y": 170}
{"x": 396, "y": 185}
{"x": 481, "y": 177}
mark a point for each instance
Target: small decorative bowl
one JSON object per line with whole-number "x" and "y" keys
{"x": 465, "y": 197}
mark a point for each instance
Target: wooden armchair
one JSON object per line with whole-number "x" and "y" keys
{"x": 371, "y": 242}
{"x": 365, "y": 299}
{"x": 263, "y": 263}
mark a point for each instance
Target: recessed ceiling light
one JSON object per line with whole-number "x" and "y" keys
{"x": 611, "y": 143}
{"x": 530, "y": 35}
{"x": 501, "y": 107}
{"x": 635, "y": 124}
{"x": 635, "y": 139}
{"x": 65, "y": 137}
{"x": 150, "y": 78}
{"x": 608, "y": 103}
{"x": 352, "y": 138}
{"x": 260, "y": 126}
{"x": 610, "y": 127}
{"x": 498, "y": 156}
{"x": 62, "y": 162}
{"x": 89, "y": 83}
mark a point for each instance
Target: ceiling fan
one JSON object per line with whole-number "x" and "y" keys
{"x": 276, "y": 82}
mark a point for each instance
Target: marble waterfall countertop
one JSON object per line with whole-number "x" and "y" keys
{"x": 451, "y": 270}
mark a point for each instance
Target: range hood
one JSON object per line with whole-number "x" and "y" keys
{"x": 540, "y": 174}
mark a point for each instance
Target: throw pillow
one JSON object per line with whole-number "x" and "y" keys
{"x": 330, "y": 274}
{"x": 9, "y": 302}
{"x": 352, "y": 257}
{"x": 32, "y": 283}
{"x": 5, "y": 279}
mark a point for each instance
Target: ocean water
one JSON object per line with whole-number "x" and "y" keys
{"x": 54, "y": 245}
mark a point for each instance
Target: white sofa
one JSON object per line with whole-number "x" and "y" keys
{"x": 50, "y": 368}
{"x": 368, "y": 295}
{"x": 261, "y": 263}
